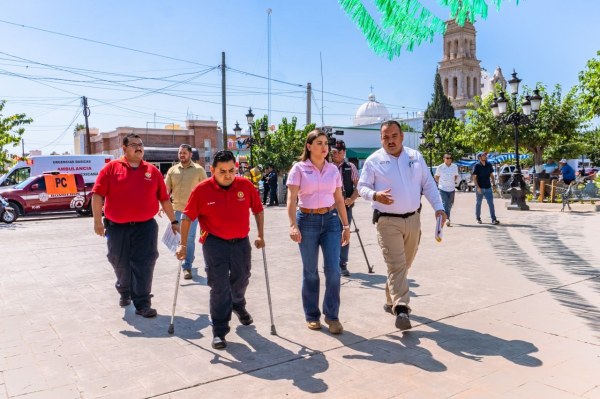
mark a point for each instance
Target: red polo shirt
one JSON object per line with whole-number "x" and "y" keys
{"x": 130, "y": 194}
{"x": 224, "y": 213}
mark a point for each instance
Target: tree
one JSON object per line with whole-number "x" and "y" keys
{"x": 439, "y": 109}
{"x": 281, "y": 148}
{"x": 10, "y": 133}
{"x": 558, "y": 124}
{"x": 589, "y": 83}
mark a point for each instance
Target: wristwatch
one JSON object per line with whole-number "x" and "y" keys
{"x": 175, "y": 221}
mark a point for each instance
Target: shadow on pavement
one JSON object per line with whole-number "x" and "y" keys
{"x": 265, "y": 359}
{"x": 389, "y": 352}
{"x": 158, "y": 327}
{"x": 470, "y": 344}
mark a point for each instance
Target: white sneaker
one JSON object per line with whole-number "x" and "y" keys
{"x": 448, "y": 223}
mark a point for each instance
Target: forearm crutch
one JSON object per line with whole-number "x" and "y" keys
{"x": 273, "y": 331}
{"x": 362, "y": 246}
{"x": 172, "y": 325}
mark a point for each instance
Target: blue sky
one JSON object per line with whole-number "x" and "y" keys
{"x": 44, "y": 75}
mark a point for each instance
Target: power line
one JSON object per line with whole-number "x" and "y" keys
{"x": 103, "y": 43}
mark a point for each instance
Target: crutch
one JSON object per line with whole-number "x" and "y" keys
{"x": 172, "y": 325}
{"x": 273, "y": 331}
{"x": 362, "y": 246}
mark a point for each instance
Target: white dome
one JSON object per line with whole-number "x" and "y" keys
{"x": 371, "y": 112}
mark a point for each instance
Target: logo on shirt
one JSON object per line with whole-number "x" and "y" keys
{"x": 240, "y": 195}
{"x": 384, "y": 162}
{"x": 147, "y": 175}
{"x": 308, "y": 172}
{"x": 211, "y": 203}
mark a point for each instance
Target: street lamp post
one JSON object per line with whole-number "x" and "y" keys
{"x": 530, "y": 108}
{"x": 250, "y": 139}
{"x": 430, "y": 146}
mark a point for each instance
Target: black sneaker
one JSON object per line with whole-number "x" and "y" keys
{"x": 388, "y": 308}
{"x": 243, "y": 316}
{"x": 219, "y": 343}
{"x": 478, "y": 221}
{"x": 124, "y": 301}
{"x": 402, "y": 320}
{"x": 146, "y": 312}
{"x": 495, "y": 221}
{"x": 344, "y": 271}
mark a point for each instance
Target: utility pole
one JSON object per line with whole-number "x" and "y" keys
{"x": 223, "y": 101}
{"x": 86, "y": 113}
{"x": 308, "y": 98}
{"x": 23, "y": 148}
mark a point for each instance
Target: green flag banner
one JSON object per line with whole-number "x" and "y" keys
{"x": 406, "y": 23}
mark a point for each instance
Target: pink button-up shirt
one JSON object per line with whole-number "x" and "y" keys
{"x": 316, "y": 186}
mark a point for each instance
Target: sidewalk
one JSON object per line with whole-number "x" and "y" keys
{"x": 507, "y": 311}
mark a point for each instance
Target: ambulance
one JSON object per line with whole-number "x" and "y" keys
{"x": 87, "y": 166}
{"x": 50, "y": 192}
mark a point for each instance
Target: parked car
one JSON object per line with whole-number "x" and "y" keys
{"x": 50, "y": 192}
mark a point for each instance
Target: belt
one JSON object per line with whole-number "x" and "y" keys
{"x": 111, "y": 223}
{"x": 230, "y": 241}
{"x": 400, "y": 215}
{"x": 320, "y": 211}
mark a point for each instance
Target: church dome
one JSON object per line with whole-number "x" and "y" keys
{"x": 371, "y": 112}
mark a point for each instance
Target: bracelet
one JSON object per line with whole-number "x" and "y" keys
{"x": 181, "y": 245}
{"x": 375, "y": 196}
{"x": 175, "y": 221}
{"x": 346, "y": 227}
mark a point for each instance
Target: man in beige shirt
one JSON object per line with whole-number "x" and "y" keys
{"x": 181, "y": 180}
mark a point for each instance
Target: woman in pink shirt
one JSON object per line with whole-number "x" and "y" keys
{"x": 316, "y": 185}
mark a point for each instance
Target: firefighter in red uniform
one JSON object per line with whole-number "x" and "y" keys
{"x": 222, "y": 205}
{"x": 132, "y": 190}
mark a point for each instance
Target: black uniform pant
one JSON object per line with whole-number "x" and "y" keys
{"x": 132, "y": 253}
{"x": 228, "y": 274}
{"x": 266, "y": 192}
{"x": 273, "y": 195}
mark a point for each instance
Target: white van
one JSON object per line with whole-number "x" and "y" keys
{"x": 86, "y": 165}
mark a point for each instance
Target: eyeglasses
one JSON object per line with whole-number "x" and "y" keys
{"x": 135, "y": 145}
{"x": 448, "y": 158}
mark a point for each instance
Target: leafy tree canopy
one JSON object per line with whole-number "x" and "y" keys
{"x": 589, "y": 81}
{"x": 10, "y": 133}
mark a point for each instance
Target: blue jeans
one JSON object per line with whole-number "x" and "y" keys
{"x": 447, "y": 201}
{"x": 191, "y": 243}
{"x": 346, "y": 249}
{"x": 322, "y": 231}
{"x": 489, "y": 197}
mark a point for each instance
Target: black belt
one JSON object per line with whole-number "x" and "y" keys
{"x": 108, "y": 222}
{"x": 398, "y": 215}
{"x": 230, "y": 241}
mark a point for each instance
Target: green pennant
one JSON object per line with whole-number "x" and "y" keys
{"x": 406, "y": 23}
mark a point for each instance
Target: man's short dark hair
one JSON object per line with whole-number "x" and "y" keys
{"x": 130, "y": 136}
{"x": 222, "y": 156}
{"x": 186, "y": 146}
{"x": 390, "y": 123}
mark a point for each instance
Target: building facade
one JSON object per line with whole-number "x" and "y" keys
{"x": 460, "y": 69}
{"x": 161, "y": 144}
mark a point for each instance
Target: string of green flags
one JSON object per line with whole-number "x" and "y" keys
{"x": 406, "y": 23}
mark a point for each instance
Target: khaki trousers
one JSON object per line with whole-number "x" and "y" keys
{"x": 399, "y": 240}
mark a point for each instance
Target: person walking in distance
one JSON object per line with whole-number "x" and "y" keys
{"x": 316, "y": 186}
{"x": 393, "y": 179}
{"x": 349, "y": 175}
{"x": 483, "y": 178}
{"x": 222, "y": 205}
{"x": 446, "y": 176}
{"x": 266, "y": 191}
{"x": 181, "y": 179}
{"x": 273, "y": 200}
{"x": 129, "y": 190}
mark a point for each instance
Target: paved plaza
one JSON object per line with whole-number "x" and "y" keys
{"x": 508, "y": 311}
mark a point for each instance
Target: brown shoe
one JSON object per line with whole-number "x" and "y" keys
{"x": 335, "y": 327}
{"x": 187, "y": 274}
{"x": 314, "y": 325}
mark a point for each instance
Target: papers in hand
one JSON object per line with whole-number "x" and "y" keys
{"x": 438, "y": 229}
{"x": 171, "y": 240}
